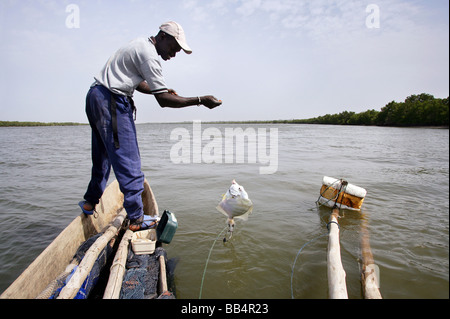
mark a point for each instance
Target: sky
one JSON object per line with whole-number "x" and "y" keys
{"x": 265, "y": 59}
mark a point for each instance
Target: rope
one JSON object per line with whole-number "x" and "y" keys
{"x": 207, "y": 260}
{"x": 343, "y": 183}
{"x": 329, "y": 186}
{"x": 333, "y": 222}
{"x": 293, "y": 266}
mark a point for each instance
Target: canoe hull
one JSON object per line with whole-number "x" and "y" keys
{"x": 54, "y": 259}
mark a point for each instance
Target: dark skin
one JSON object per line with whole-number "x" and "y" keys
{"x": 167, "y": 47}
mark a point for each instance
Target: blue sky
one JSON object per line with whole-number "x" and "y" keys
{"x": 265, "y": 59}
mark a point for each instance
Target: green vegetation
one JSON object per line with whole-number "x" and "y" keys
{"x": 16, "y": 123}
{"x": 417, "y": 110}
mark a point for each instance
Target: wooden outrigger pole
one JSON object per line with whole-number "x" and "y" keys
{"x": 334, "y": 192}
{"x": 117, "y": 270}
{"x": 70, "y": 290}
{"x": 369, "y": 276}
{"x": 337, "y": 288}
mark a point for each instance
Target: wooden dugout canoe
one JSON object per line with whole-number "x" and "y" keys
{"x": 55, "y": 258}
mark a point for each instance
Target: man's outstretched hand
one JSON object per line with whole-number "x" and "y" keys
{"x": 210, "y": 101}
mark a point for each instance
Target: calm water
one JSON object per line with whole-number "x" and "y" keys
{"x": 44, "y": 172}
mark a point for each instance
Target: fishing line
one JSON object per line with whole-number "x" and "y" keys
{"x": 293, "y": 266}
{"x": 322, "y": 221}
{"x": 207, "y": 260}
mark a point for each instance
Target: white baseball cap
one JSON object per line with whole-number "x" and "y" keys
{"x": 175, "y": 30}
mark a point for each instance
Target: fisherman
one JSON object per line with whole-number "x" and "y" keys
{"x": 109, "y": 108}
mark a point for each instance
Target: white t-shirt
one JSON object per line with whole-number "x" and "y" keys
{"x": 130, "y": 65}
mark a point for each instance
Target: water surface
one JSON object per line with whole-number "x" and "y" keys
{"x": 45, "y": 171}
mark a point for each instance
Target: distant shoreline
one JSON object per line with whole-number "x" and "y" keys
{"x": 27, "y": 124}
{"x": 302, "y": 122}
{"x": 422, "y": 110}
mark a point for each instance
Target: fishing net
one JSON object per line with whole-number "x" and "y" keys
{"x": 92, "y": 279}
{"x": 54, "y": 288}
{"x": 142, "y": 275}
{"x": 140, "y": 280}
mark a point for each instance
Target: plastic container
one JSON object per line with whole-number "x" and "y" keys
{"x": 347, "y": 196}
{"x": 143, "y": 242}
{"x": 167, "y": 227}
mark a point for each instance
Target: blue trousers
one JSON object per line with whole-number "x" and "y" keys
{"x": 124, "y": 159}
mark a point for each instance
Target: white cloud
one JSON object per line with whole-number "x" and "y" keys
{"x": 248, "y": 7}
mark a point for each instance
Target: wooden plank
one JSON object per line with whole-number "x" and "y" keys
{"x": 162, "y": 275}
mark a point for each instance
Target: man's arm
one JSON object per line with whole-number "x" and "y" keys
{"x": 175, "y": 101}
{"x": 171, "y": 99}
{"x": 143, "y": 88}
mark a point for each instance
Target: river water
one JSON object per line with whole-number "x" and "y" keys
{"x": 44, "y": 172}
